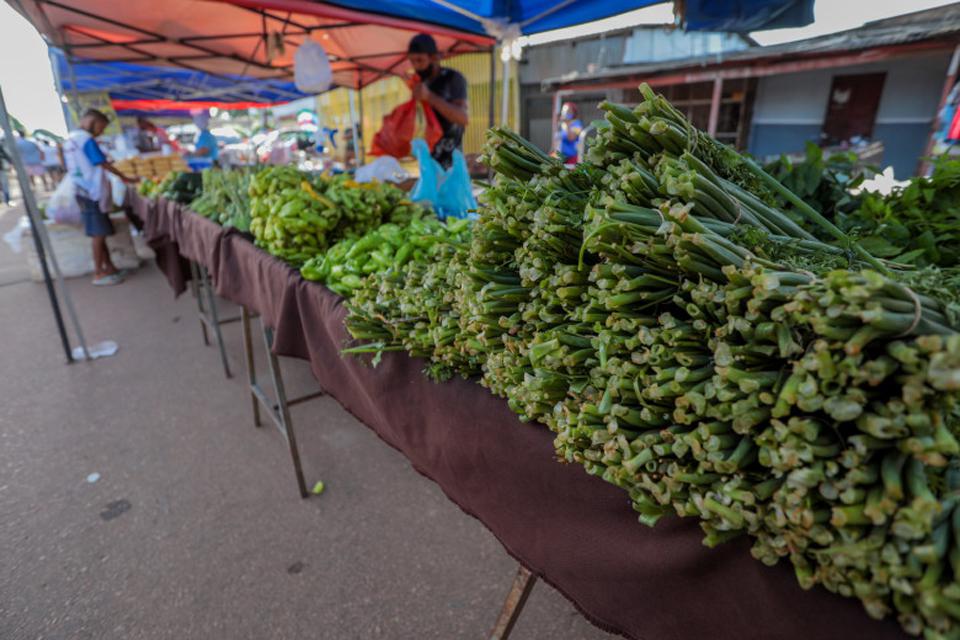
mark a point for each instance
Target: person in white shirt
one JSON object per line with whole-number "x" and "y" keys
{"x": 86, "y": 163}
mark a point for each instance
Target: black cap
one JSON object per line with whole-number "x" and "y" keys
{"x": 422, "y": 43}
{"x": 96, "y": 113}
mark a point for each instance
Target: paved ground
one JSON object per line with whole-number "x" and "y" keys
{"x": 194, "y": 529}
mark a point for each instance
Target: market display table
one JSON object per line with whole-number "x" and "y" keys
{"x": 575, "y": 531}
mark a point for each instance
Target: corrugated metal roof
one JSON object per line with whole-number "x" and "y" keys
{"x": 930, "y": 25}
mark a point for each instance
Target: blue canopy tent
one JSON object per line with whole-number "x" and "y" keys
{"x": 138, "y": 89}
{"x": 130, "y": 81}
{"x": 524, "y": 17}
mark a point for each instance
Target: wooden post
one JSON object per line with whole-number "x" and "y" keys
{"x": 513, "y": 605}
{"x": 715, "y": 105}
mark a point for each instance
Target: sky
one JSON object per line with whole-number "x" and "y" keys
{"x": 28, "y": 87}
{"x": 25, "y": 75}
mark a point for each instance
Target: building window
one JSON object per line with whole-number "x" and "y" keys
{"x": 852, "y": 107}
{"x": 693, "y": 101}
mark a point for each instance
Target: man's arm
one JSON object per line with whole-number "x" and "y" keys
{"x": 108, "y": 166}
{"x": 454, "y": 110}
{"x": 97, "y": 158}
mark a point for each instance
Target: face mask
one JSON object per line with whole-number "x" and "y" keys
{"x": 425, "y": 73}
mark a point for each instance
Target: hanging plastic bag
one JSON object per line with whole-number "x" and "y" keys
{"x": 455, "y": 194}
{"x": 412, "y": 119}
{"x": 63, "y": 207}
{"x": 106, "y": 193}
{"x": 311, "y": 68}
{"x": 425, "y": 190}
{"x": 449, "y": 192}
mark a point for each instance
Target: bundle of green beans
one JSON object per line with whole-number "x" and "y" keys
{"x": 687, "y": 341}
{"x": 412, "y": 308}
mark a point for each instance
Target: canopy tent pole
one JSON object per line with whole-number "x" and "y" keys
{"x": 42, "y": 242}
{"x": 58, "y": 83}
{"x": 363, "y": 148}
{"x": 493, "y": 86}
{"x": 505, "y": 88}
{"x": 73, "y": 81}
{"x": 353, "y": 126}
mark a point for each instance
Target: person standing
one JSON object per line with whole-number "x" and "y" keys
{"x": 32, "y": 158}
{"x": 52, "y": 162}
{"x": 150, "y": 137}
{"x": 568, "y": 134}
{"x": 205, "y": 147}
{"x": 445, "y": 90}
{"x": 86, "y": 163}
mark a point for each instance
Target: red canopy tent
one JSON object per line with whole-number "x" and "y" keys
{"x": 252, "y": 38}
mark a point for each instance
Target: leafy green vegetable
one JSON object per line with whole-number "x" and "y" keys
{"x": 918, "y": 224}
{"x": 225, "y": 197}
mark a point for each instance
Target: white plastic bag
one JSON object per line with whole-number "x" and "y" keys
{"x": 63, "y": 207}
{"x": 384, "y": 169}
{"x": 118, "y": 190}
{"x": 311, "y": 68}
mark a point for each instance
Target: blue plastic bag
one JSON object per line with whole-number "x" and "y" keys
{"x": 449, "y": 192}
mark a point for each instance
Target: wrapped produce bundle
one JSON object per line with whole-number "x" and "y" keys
{"x": 692, "y": 343}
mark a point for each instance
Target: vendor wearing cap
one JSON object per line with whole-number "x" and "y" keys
{"x": 443, "y": 89}
{"x": 86, "y": 163}
{"x": 205, "y": 150}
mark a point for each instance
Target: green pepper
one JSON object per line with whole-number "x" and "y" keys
{"x": 403, "y": 254}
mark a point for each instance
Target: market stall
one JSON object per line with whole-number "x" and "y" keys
{"x": 665, "y": 315}
{"x": 576, "y": 532}
{"x": 681, "y": 323}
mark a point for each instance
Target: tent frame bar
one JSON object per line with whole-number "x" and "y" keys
{"x": 43, "y": 246}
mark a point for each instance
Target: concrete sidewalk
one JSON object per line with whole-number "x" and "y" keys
{"x": 194, "y": 529}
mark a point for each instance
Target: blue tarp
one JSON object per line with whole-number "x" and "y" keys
{"x": 127, "y": 81}
{"x": 746, "y": 15}
{"x": 534, "y": 16}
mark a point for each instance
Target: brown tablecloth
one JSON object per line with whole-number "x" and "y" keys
{"x": 575, "y": 531}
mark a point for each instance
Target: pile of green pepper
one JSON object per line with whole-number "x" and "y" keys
{"x": 390, "y": 246}
{"x": 296, "y": 216}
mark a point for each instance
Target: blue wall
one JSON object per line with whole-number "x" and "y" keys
{"x": 903, "y": 145}
{"x": 789, "y": 108}
{"x": 774, "y": 139}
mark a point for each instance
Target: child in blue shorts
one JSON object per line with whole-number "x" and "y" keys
{"x": 86, "y": 163}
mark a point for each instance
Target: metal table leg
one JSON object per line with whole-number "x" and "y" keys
{"x": 195, "y": 286}
{"x": 513, "y": 605}
{"x": 279, "y": 411}
{"x": 251, "y": 365}
{"x": 214, "y": 318}
{"x": 208, "y": 312}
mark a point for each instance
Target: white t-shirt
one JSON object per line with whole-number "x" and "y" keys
{"x": 84, "y": 161}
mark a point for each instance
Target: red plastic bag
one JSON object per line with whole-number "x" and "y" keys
{"x": 408, "y": 121}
